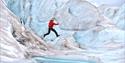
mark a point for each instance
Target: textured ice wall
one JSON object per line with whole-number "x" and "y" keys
{"x": 9, "y": 47}
{"x": 77, "y": 15}
{"x": 36, "y": 14}
{"x": 119, "y": 18}
{"x": 116, "y": 14}
{"x": 14, "y": 38}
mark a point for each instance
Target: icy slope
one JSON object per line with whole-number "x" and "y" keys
{"x": 13, "y": 36}
{"x": 9, "y": 47}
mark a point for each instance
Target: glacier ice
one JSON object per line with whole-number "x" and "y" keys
{"x": 116, "y": 14}
{"x": 9, "y": 47}
{"x": 87, "y": 32}
{"x": 85, "y": 19}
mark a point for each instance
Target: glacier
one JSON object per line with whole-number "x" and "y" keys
{"x": 116, "y": 15}
{"x": 88, "y": 34}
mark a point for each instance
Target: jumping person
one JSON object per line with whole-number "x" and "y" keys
{"x": 50, "y": 27}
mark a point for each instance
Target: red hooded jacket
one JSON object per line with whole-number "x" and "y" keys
{"x": 51, "y": 24}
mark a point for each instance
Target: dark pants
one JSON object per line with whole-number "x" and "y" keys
{"x": 51, "y": 29}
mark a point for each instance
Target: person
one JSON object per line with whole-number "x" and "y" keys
{"x": 51, "y": 27}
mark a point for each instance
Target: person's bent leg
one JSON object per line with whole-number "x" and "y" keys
{"x": 55, "y": 32}
{"x": 47, "y": 32}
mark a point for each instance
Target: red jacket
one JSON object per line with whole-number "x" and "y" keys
{"x": 51, "y": 24}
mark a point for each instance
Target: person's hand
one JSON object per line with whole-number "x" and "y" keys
{"x": 57, "y": 23}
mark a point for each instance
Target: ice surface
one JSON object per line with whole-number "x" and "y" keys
{"x": 86, "y": 32}
{"x": 116, "y": 14}
{"x": 75, "y": 19}
{"x": 9, "y": 48}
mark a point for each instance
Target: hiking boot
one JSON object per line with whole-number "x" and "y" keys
{"x": 58, "y": 35}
